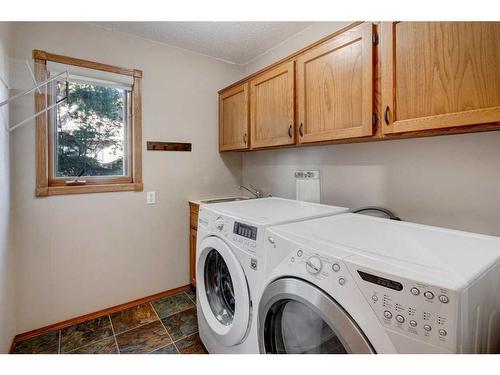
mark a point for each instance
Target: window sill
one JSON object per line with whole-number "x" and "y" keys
{"x": 88, "y": 189}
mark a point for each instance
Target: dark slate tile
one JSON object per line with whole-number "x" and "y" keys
{"x": 191, "y": 345}
{"x": 169, "y": 349}
{"x": 106, "y": 346}
{"x": 133, "y": 317}
{"x": 143, "y": 339}
{"x": 44, "y": 344}
{"x": 181, "y": 324}
{"x": 84, "y": 333}
{"x": 192, "y": 295}
{"x": 172, "y": 304}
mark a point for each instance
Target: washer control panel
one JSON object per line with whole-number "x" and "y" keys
{"x": 243, "y": 235}
{"x": 245, "y": 230}
{"x": 421, "y": 311}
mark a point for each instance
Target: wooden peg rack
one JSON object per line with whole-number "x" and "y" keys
{"x": 168, "y": 146}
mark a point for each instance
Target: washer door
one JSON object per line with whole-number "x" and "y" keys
{"x": 296, "y": 317}
{"x": 223, "y": 291}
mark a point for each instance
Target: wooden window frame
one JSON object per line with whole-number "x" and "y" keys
{"x": 45, "y": 185}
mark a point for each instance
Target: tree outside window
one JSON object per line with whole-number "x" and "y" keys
{"x": 91, "y": 130}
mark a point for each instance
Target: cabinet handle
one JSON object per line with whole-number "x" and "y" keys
{"x": 300, "y": 129}
{"x": 290, "y": 131}
{"x": 245, "y": 138}
{"x": 386, "y": 115}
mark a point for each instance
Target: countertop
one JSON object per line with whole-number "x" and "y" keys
{"x": 201, "y": 200}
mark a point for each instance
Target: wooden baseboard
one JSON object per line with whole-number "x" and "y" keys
{"x": 93, "y": 315}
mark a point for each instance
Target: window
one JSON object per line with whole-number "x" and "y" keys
{"x": 91, "y": 125}
{"x": 91, "y": 140}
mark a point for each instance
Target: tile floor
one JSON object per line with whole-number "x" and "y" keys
{"x": 165, "y": 326}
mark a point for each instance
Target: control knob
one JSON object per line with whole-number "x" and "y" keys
{"x": 314, "y": 265}
{"x": 219, "y": 223}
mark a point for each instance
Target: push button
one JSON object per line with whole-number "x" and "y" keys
{"x": 387, "y": 314}
{"x": 427, "y": 327}
{"x": 444, "y": 299}
{"x": 374, "y": 298}
{"x": 442, "y": 332}
{"x": 413, "y": 323}
{"x": 429, "y": 295}
{"x": 299, "y": 253}
{"x": 253, "y": 263}
{"x": 400, "y": 318}
{"x": 341, "y": 281}
{"x": 415, "y": 291}
{"x": 335, "y": 267}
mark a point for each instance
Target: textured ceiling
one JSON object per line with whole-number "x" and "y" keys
{"x": 235, "y": 42}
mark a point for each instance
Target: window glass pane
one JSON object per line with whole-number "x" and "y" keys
{"x": 91, "y": 126}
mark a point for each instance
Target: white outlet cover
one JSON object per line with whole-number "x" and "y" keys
{"x": 151, "y": 197}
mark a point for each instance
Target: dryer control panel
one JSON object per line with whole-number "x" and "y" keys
{"x": 418, "y": 310}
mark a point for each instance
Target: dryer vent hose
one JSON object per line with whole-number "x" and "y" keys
{"x": 385, "y": 211}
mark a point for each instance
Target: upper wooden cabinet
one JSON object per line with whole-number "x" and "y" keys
{"x": 439, "y": 75}
{"x": 335, "y": 87}
{"x": 233, "y": 118}
{"x": 272, "y": 100}
{"x": 421, "y": 79}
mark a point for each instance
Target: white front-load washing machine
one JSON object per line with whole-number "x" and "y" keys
{"x": 229, "y": 266}
{"x": 359, "y": 284}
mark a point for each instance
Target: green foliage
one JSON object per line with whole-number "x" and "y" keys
{"x": 90, "y": 121}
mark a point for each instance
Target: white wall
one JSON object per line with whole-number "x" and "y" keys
{"x": 450, "y": 181}
{"x": 78, "y": 254}
{"x": 7, "y": 263}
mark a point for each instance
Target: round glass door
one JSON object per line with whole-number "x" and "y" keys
{"x": 219, "y": 287}
{"x": 296, "y": 317}
{"x": 293, "y": 328}
{"x": 223, "y": 291}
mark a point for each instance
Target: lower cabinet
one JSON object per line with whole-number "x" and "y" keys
{"x": 192, "y": 256}
{"x": 193, "y": 231}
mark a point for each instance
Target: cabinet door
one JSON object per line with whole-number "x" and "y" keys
{"x": 439, "y": 74}
{"x": 192, "y": 256}
{"x": 272, "y": 100}
{"x": 335, "y": 87}
{"x": 233, "y": 118}
{"x": 194, "y": 210}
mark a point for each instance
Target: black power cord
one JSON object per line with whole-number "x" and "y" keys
{"x": 385, "y": 211}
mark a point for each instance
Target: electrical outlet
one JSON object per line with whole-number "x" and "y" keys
{"x": 151, "y": 197}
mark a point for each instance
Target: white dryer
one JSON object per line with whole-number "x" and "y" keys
{"x": 229, "y": 266}
{"x": 359, "y": 284}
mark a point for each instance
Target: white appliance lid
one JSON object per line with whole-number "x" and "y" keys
{"x": 272, "y": 211}
{"x": 463, "y": 254}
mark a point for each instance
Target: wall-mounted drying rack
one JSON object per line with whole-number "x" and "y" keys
{"x": 4, "y": 82}
{"x": 36, "y": 87}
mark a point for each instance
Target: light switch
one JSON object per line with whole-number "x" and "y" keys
{"x": 151, "y": 197}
